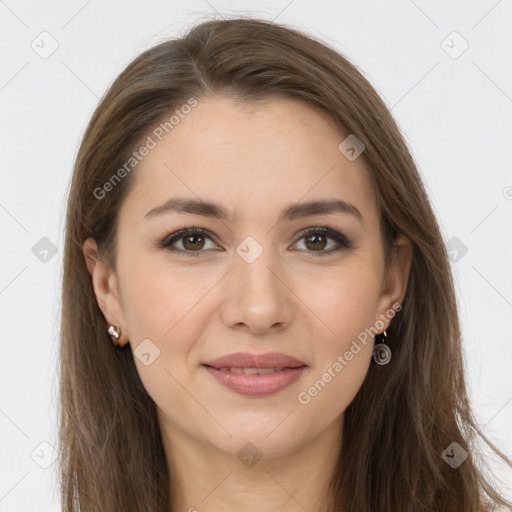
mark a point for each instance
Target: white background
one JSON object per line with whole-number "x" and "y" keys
{"x": 456, "y": 115}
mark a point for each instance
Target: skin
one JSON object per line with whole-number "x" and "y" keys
{"x": 194, "y": 309}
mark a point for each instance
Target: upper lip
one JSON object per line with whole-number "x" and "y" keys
{"x": 248, "y": 360}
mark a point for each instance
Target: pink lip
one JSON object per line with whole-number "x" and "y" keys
{"x": 256, "y": 385}
{"x": 248, "y": 360}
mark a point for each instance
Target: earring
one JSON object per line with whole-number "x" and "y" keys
{"x": 381, "y": 352}
{"x": 115, "y": 333}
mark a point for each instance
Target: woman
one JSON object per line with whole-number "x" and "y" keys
{"x": 258, "y": 310}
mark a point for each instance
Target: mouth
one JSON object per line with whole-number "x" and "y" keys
{"x": 256, "y": 382}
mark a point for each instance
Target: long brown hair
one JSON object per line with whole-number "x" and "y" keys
{"x": 405, "y": 414}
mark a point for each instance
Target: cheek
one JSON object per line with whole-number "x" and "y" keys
{"x": 164, "y": 305}
{"x": 347, "y": 304}
{"x": 159, "y": 302}
{"x": 168, "y": 306}
{"x": 345, "y": 301}
{"x": 344, "y": 349}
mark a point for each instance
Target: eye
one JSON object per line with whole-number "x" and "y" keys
{"x": 317, "y": 240}
{"x": 192, "y": 241}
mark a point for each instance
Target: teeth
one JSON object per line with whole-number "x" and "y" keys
{"x": 264, "y": 371}
{"x": 251, "y": 371}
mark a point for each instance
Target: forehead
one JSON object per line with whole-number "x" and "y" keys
{"x": 252, "y": 157}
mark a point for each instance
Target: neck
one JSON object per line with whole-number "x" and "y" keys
{"x": 205, "y": 479}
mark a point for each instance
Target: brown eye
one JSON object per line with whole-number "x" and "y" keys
{"x": 316, "y": 240}
{"x": 192, "y": 241}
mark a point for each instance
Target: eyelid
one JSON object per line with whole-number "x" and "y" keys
{"x": 177, "y": 235}
{"x": 327, "y": 231}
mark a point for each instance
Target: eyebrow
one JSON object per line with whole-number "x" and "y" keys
{"x": 292, "y": 212}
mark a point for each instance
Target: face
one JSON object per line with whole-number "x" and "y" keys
{"x": 305, "y": 285}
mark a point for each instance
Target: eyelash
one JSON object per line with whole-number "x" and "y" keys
{"x": 343, "y": 242}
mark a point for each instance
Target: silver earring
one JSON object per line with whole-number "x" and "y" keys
{"x": 381, "y": 352}
{"x": 115, "y": 333}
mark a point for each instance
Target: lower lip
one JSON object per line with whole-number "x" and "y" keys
{"x": 257, "y": 385}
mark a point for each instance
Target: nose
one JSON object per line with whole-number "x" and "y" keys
{"x": 258, "y": 297}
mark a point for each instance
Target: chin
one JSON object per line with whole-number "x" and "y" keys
{"x": 261, "y": 439}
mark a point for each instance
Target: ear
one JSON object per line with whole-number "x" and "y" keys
{"x": 106, "y": 288}
{"x": 395, "y": 282}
